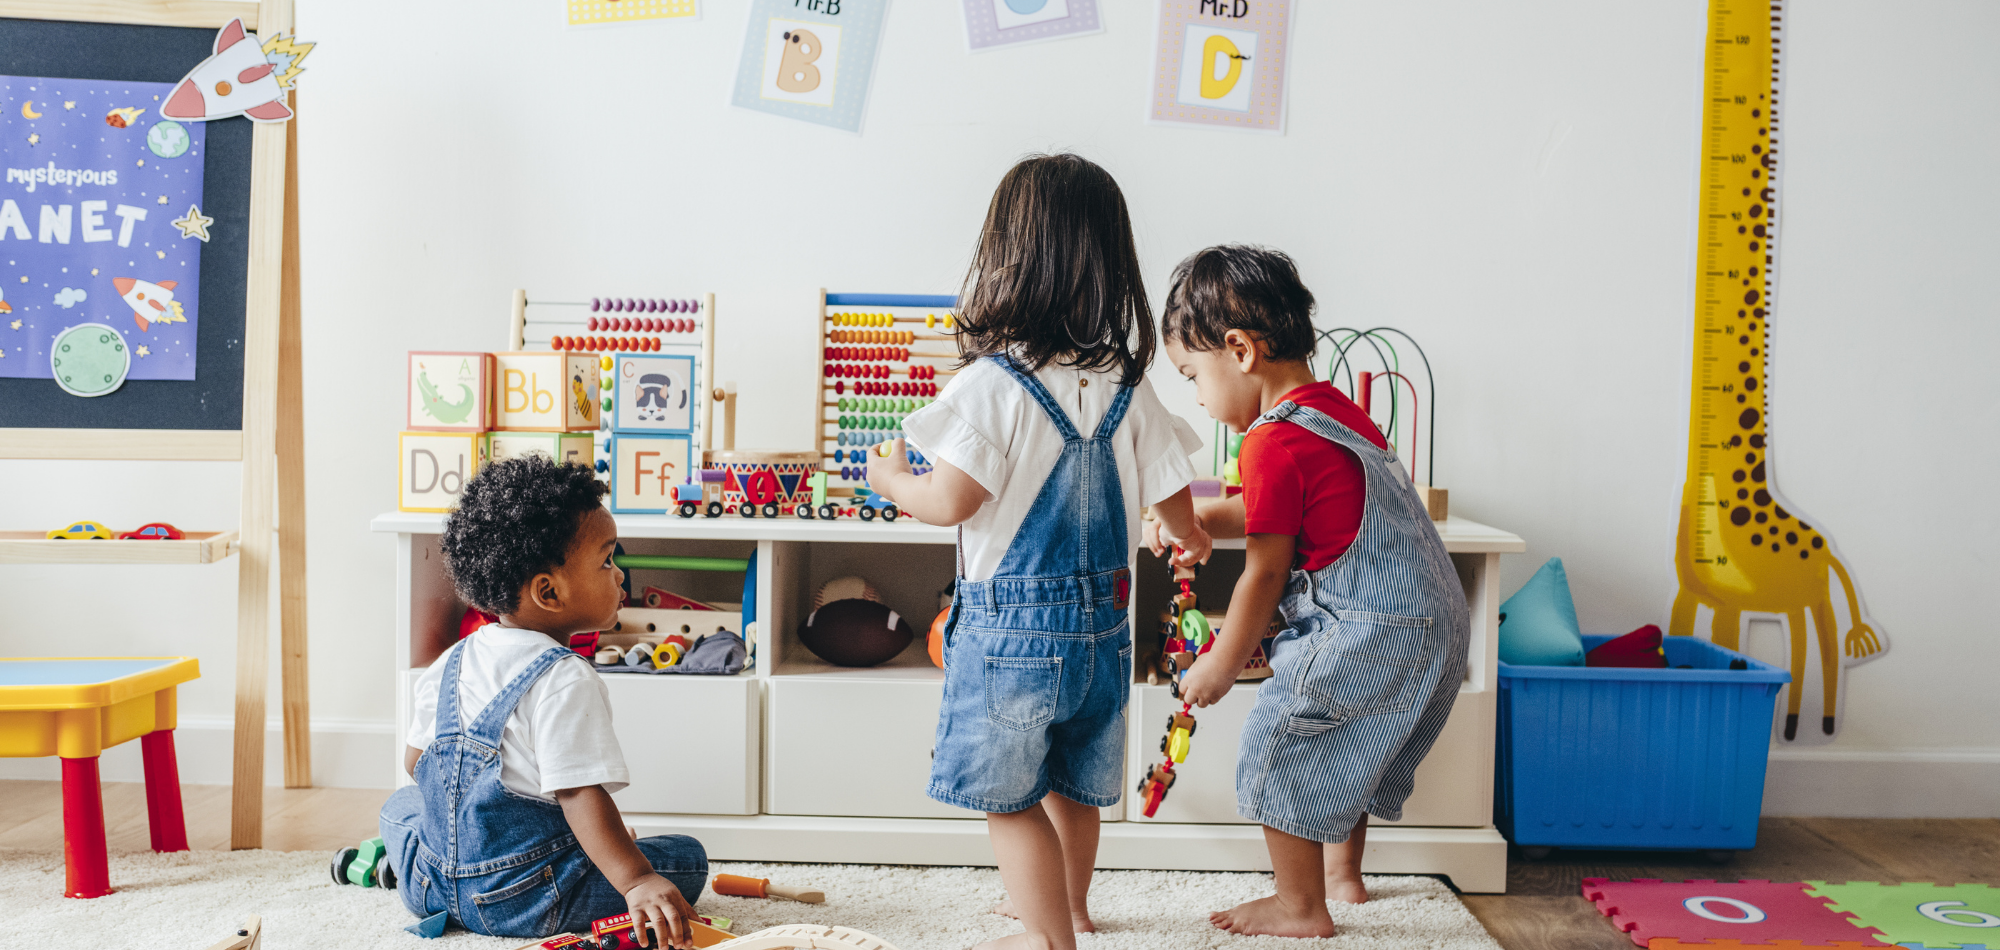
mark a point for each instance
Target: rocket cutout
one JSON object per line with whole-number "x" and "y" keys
{"x": 150, "y": 302}
{"x": 241, "y": 78}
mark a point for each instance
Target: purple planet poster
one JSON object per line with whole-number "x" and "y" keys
{"x": 100, "y": 222}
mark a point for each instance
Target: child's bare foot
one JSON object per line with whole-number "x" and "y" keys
{"x": 1080, "y": 922}
{"x": 1269, "y": 915}
{"x": 1020, "y": 941}
{"x": 1346, "y": 891}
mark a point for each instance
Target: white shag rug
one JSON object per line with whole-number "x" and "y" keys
{"x": 192, "y": 899}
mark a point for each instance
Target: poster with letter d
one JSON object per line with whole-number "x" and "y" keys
{"x": 1222, "y": 64}
{"x": 810, "y": 59}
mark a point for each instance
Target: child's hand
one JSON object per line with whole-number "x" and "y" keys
{"x": 657, "y": 904}
{"x": 1207, "y": 681}
{"x": 880, "y": 469}
{"x": 1195, "y": 547}
{"x": 1150, "y": 537}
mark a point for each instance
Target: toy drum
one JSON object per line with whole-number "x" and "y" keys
{"x": 763, "y": 483}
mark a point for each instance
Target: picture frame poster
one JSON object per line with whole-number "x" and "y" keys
{"x": 810, "y": 60}
{"x": 1222, "y": 64}
{"x": 993, "y": 24}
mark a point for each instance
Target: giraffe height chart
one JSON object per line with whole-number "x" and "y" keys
{"x": 1742, "y": 547}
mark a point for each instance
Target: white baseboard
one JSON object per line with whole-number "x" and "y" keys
{"x": 346, "y": 753}
{"x": 1837, "y": 783}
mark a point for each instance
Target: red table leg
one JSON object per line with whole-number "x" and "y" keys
{"x": 87, "y": 874}
{"x": 163, "y": 792}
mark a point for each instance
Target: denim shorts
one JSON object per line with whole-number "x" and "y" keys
{"x": 1353, "y": 704}
{"x": 1028, "y": 713}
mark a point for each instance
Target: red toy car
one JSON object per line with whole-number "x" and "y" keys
{"x": 157, "y": 531}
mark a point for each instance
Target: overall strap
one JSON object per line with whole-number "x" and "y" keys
{"x": 1108, "y": 426}
{"x": 1036, "y": 389}
{"x": 1324, "y": 426}
{"x": 448, "y": 720}
{"x": 487, "y": 726}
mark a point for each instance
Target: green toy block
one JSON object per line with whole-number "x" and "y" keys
{"x": 1919, "y": 915}
{"x": 362, "y": 869}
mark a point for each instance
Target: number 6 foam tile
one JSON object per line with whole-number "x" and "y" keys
{"x": 1919, "y": 915}
{"x": 1706, "y": 911}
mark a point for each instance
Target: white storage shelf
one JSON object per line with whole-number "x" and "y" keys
{"x": 801, "y": 760}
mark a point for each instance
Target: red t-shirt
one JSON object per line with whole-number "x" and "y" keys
{"x": 1297, "y": 483}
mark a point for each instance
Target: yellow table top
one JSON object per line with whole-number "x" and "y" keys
{"x": 87, "y": 682}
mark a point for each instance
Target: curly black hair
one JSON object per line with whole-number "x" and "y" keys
{"x": 1240, "y": 287}
{"x": 515, "y": 519}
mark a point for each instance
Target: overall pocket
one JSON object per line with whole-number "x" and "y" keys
{"x": 1022, "y": 691}
{"x": 525, "y": 907}
{"x": 1364, "y": 664}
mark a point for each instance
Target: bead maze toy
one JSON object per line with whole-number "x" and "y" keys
{"x": 1401, "y": 427}
{"x": 875, "y": 367}
{"x": 1188, "y": 635}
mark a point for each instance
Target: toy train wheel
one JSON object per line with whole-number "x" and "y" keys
{"x": 688, "y": 509}
{"x": 341, "y": 859}
{"x": 747, "y": 510}
{"x": 890, "y": 513}
{"x": 806, "y": 512}
{"x": 770, "y": 509}
{"x": 828, "y": 512}
{"x": 715, "y": 509}
{"x": 867, "y": 513}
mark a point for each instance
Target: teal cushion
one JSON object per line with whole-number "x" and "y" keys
{"x": 1538, "y": 624}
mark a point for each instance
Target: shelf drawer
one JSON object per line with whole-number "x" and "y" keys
{"x": 852, "y": 746}
{"x": 1454, "y": 783}
{"x": 691, "y": 742}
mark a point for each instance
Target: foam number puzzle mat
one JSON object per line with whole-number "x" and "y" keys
{"x": 1758, "y": 912}
{"x": 1966, "y": 916}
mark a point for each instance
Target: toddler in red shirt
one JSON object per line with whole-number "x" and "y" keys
{"x": 1373, "y": 647}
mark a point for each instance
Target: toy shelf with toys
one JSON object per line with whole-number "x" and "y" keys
{"x": 820, "y": 749}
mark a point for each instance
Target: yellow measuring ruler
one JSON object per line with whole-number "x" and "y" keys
{"x": 1741, "y": 547}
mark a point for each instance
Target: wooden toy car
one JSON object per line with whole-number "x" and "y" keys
{"x": 617, "y": 932}
{"x": 871, "y": 505}
{"x": 81, "y": 531}
{"x": 367, "y": 865}
{"x": 155, "y": 531}
{"x": 817, "y": 505}
{"x": 703, "y": 496}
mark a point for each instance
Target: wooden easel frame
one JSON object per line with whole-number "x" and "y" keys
{"x": 271, "y": 443}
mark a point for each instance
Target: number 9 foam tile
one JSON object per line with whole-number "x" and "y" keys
{"x": 1759, "y": 912}
{"x": 1965, "y": 916}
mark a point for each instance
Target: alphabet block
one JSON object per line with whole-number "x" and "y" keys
{"x": 575, "y": 447}
{"x": 645, "y": 469}
{"x": 435, "y": 466}
{"x": 653, "y": 393}
{"x": 450, "y": 392}
{"x": 545, "y": 391}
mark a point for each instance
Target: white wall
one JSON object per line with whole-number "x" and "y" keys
{"x": 1511, "y": 183}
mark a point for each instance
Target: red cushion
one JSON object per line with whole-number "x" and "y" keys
{"x": 1638, "y": 649}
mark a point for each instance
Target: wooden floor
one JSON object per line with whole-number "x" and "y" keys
{"x": 1543, "y": 908}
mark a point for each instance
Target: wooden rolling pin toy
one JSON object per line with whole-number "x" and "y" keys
{"x": 736, "y": 885}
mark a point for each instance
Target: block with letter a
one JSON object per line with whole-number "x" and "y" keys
{"x": 645, "y": 469}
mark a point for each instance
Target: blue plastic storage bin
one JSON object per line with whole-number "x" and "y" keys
{"x": 1640, "y": 759}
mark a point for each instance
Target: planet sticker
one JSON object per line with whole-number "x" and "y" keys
{"x": 167, "y": 139}
{"x": 89, "y": 359}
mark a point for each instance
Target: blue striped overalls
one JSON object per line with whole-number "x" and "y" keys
{"x": 1367, "y": 667}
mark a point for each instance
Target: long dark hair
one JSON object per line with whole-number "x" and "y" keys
{"x": 1055, "y": 275}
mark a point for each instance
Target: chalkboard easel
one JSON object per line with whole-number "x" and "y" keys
{"x": 245, "y": 404}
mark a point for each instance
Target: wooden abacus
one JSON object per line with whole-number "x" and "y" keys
{"x": 626, "y": 325}
{"x": 876, "y": 366}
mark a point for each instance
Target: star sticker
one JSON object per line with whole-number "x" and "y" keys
{"x": 34, "y": 137}
{"x": 163, "y": 199}
{"x": 163, "y": 254}
{"x": 15, "y": 325}
{"x": 194, "y": 224}
{"x": 142, "y": 351}
{"x": 70, "y": 104}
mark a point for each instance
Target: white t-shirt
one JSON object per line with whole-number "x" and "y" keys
{"x": 559, "y": 735}
{"x": 986, "y": 424}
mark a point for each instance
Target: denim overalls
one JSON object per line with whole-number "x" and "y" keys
{"x": 1367, "y": 667}
{"x": 501, "y": 863}
{"x": 1038, "y": 659}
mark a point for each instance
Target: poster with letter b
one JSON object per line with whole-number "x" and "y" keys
{"x": 810, "y": 59}
{"x": 1222, "y": 64}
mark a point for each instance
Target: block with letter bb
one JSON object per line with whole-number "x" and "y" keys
{"x": 645, "y": 469}
{"x": 576, "y": 447}
{"x": 435, "y": 466}
{"x": 450, "y": 392}
{"x": 545, "y": 391}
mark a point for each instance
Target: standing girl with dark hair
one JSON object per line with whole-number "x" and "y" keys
{"x": 1046, "y": 444}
